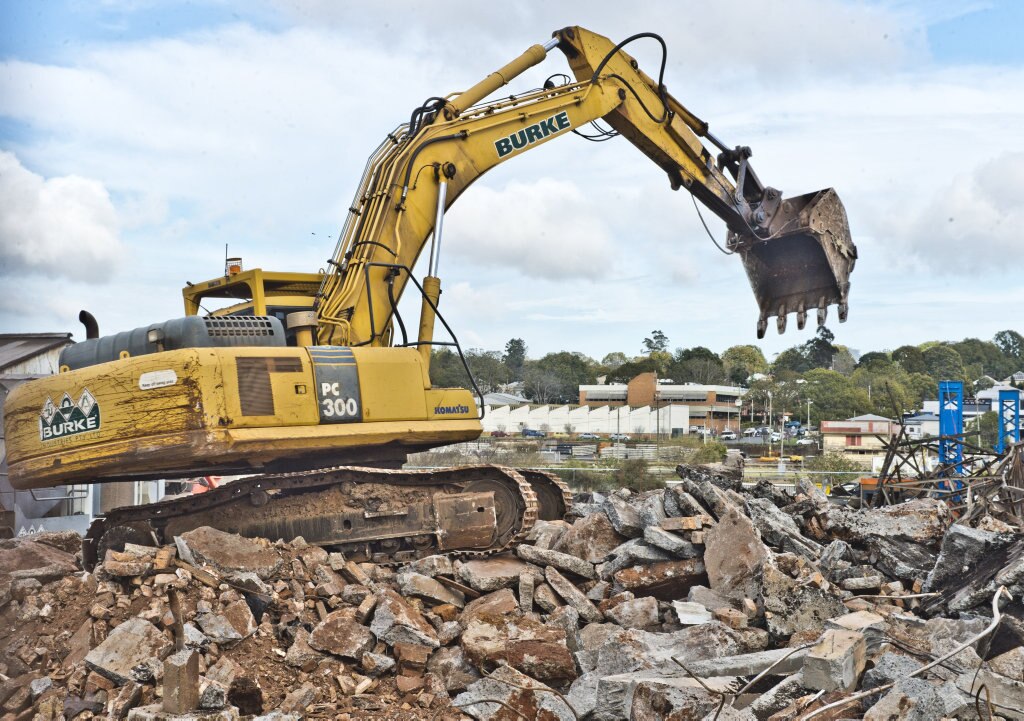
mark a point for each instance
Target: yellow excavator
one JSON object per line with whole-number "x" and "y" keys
{"x": 314, "y": 383}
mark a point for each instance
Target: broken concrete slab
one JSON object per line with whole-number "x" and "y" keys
{"x": 233, "y": 624}
{"x": 227, "y": 552}
{"x": 561, "y": 561}
{"x": 670, "y": 542}
{"x": 498, "y": 603}
{"x": 665, "y": 580}
{"x": 395, "y": 621}
{"x": 524, "y": 695}
{"x": 572, "y": 595}
{"x": 591, "y": 538}
{"x": 415, "y": 585}
{"x": 623, "y": 516}
{"x": 129, "y": 644}
{"x": 487, "y": 575}
{"x": 836, "y": 662}
{"x": 637, "y": 613}
{"x": 791, "y": 606}
{"x": 450, "y": 665}
{"x": 342, "y": 636}
{"x": 734, "y": 556}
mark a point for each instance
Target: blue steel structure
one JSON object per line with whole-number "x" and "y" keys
{"x": 951, "y": 426}
{"x": 1009, "y": 419}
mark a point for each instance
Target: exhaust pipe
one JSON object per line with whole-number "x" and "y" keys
{"x": 92, "y": 328}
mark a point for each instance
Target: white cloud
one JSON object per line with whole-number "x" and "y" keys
{"x": 972, "y": 225}
{"x": 64, "y": 227}
{"x": 544, "y": 229}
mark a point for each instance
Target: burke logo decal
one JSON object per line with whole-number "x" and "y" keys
{"x": 69, "y": 418}
{"x": 532, "y": 134}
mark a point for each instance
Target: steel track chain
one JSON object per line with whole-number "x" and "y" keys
{"x": 310, "y": 481}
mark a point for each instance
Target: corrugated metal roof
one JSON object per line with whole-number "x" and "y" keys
{"x": 17, "y": 347}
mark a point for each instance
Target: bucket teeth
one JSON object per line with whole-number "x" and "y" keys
{"x": 762, "y": 326}
{"x": 822, "y": 315}
{"x": 780, "y": 323}
{"x": 801, "y": 317}
{"x": 844, "y": 308}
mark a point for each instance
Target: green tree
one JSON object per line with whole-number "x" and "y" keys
{"x": 875, "y": 361}
{"x": 657, "y": 342}
{"x": 696, "y": 365}
{"x": 835, "y": 467}
{"x": 910, "y": 359}
{"x": 631, "y": 369}
{"x": 614, "y": 360}
{"x": 983, "y": 358}
{"x": 943, "y": 363}
{"x": 834, "y": 396}
{"x": 819, "y": 349}
{"x": 921, "y": 387}
{"x": 792, "y": 360}
{"x": 556, "y": 377}
{"x": 988, "y": 428}
{"x": 742, "y": 361}
{"x": 514, "y": 357}
{"x": 488, "y": 369}
{"x": 1011, "y": 343}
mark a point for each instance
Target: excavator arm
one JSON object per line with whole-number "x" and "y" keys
{"x": 797, "y": 252}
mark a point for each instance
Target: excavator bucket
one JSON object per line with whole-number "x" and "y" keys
{"x": 803, "y": 263}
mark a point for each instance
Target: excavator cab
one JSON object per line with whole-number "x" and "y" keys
{"x": 799, "y": 261}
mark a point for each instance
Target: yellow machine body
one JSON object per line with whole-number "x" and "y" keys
{"x": 230, "y": 410}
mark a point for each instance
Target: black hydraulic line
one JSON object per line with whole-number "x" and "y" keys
{"x": 437, "y": 314}
{"x": 461, "y": 135}
{"x": 661, "y": 73}
{"x": 394, "y": 307}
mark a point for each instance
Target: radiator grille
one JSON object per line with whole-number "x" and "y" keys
{"x": 255, "y": 391}
{"x": 240, "y": 327}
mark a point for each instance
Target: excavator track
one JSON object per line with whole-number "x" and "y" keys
{"x": 384, "y": 516}
{"x": 553, "y": 495}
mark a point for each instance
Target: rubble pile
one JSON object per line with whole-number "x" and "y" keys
{"x": 704, "y": 600}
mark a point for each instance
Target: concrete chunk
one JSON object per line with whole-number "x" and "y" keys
{"x": 836, "y": 662}
{"x": 181, "y": 682}
{"x": 572, "y": 595}
{"x": 690, "y": 614}
{"x": 129, "y": 644}
{"x": 340, "y": 635}
{"x": 561, "y": 561}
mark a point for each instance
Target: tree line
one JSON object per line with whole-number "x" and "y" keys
{"x": 818, "y": 370}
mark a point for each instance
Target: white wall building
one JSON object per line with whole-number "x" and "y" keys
{"x": 583, "y": 419}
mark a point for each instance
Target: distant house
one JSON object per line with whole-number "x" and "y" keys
{"x": 31, "y": 355}
{"x": 1015, "y": 379}
{"x": 921, "y": 425}
{"x": 858, "y": 438}
{"x": 23, "y": 357}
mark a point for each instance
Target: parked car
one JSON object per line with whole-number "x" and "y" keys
{"x": 727, "y": 436}
{"x": 530, "y": 433}
{"x": 749, "y": 432}
{"x": 588, "y": 437}
{"x": 499, "y": 434}
{"x": 618, "y": 437}
{"x": 776, "y": 436}
{"x": 806, "y": 442}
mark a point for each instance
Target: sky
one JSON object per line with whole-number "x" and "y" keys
{"x": 139, "y": 137}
